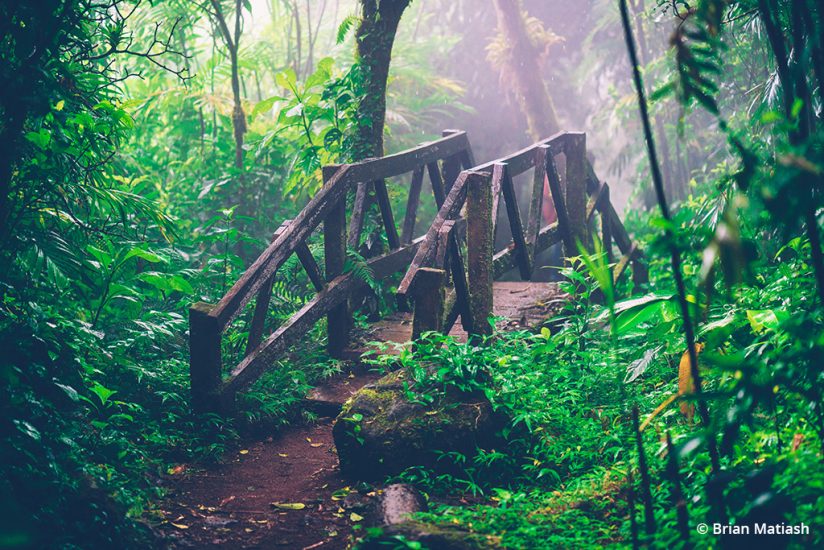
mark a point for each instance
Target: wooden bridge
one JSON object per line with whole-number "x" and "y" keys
{"x": 450, "y": 271}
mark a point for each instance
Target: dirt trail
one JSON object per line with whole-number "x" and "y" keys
{"x": 230, "y": 505}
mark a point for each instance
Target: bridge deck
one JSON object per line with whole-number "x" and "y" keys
{"x": 520, "y": 304}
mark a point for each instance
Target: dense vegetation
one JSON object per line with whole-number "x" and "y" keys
{"x": 150, "y": 149}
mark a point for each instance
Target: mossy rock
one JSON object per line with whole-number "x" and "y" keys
{"x": 381, "y": 432}
{"x": 431, "y": 537}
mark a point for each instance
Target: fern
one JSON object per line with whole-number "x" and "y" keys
{"x": 345, "y": 26}
{"x": 358, "y": 267}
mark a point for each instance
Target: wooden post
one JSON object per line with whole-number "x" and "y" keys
{"x": 514, "y": 215}
{"x": 205, "y": 360}
{"x": 334, "y": 244}
{"x": 437, "y": 183}
{"x": 480, "y": 249}
{"x": 412, "y": 206}
{"x": 262, "y": 301}
{"x": 362, "y": 203}
{"x": 576, "y": 190}
{"x": 606, "y": 224}
{"x": 536, "y": 218}
{"x": 555, "y": 187}
{"x": 451, "y": 170}
{"x": 388, "y": 218}
{"x": 429, "y": 297}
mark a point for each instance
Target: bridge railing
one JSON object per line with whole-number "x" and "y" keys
{"x": 211, "y": 389}
{"x": 476, "y": 197}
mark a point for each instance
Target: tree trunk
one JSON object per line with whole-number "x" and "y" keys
{"x": 233, "y": 45}
{"x": 536, "y": 103}
{"x": 375, "y": 37}
{"x": 523, "y": 64}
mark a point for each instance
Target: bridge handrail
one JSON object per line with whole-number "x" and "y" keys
{"x": 207, "y": 323}
{"x": 576, "y": 204}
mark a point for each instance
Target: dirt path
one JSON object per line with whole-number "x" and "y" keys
{"x": 280, "y": 492}
{"x": 232, "y": 505}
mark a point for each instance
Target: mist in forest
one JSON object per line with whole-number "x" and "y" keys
{"x": 355, "y": 274}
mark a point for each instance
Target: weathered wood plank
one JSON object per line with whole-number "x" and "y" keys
{"x": 451, "y": 168}
{"x": 426, "y": 253}
{"x": 576, "y": 189}
{"x": 262, "y": 301}
{"x": 559, "y": 200}
{"x": 459, "y": 281}
{"x": 334, "y": 244}
{"x": 619, "y": 233}
{"x": 295, "y": 329}
{"x": 387, "y": 265}
{"x": 276, "y": 253}
{"x": 535, "y": 219}
{"x": 622, "y": 264}
{"x": 479, "y": 247}
{"x": 596, "y": 200}
{"x": 401, "y": 163}
{"x": 205, "y": 359}
{"x": 334, "y": 295}
{"x": 606, "y": 224}
{"x": 513, "y": 213}
{"x": 429, "y": 299}
{"x": 505, "y": 260}
{"x": 524, "y": 159}
{"x": 386, "y": 215}
{"x": 497, "y": 177}
{"x": 437, "y": 183}
{"x": 360, "y": 206}
{"x": 310, "y": 266}
{"x": 412, "y": 203}
{"x": 442, "y": 244}
{"x": 466, "y": 156}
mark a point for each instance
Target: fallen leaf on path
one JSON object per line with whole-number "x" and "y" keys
{"x": 355, "y": 517}
{"x": 244, "y": 452}
{"x": 283, "y": 455}
{"x": 316, "y": 445}
{"x": 179, "y": 469}
{"x": 180, "y": 526}
{"x": 227, "y": 500}
{"x": 289, "y": 505}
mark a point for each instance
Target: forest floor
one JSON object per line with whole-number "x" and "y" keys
{"x": 284, "y": 491}
{"x": 287, "y": 491}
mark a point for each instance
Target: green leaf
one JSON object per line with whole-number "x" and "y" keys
{"x": 41, "y": 138}
{"x": 287, "y": 79}
{"x": 145, "y": 255}
{"x": 345, "y": 26}
{"x": 765, "y": 319}
{"x": 102, "y": 392}
{"x": 265, "y": 105}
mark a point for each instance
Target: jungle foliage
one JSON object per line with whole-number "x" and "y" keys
{"x": 146, "y": 160}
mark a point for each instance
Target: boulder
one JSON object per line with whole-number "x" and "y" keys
{"x": 396, "y": 502}
{"x": 381, "y": 432}
{"x": 431, "y": 537}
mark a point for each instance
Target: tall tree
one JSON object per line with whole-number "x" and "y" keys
{"x": 232, "y": 42}
{"x": 517, "y": 52}
{"x": 517, "y": 56}
{"x": 375, "y": 37}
